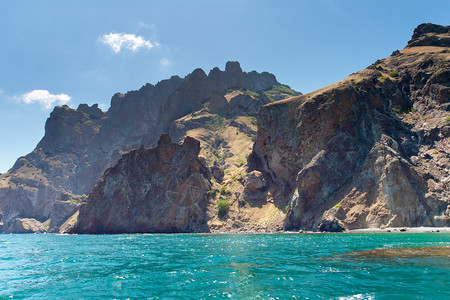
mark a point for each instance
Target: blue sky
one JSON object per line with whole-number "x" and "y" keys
{"x": 55, "y": 52}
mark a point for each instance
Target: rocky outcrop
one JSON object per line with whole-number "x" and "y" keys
{"x": 430, "y": 35}
{"x": 79, "y": 144}
{"x": 254, "y": 186}
{"x": 372, "y": 150}
{"x": 150, "y": 190}
{"x": 28, "y": 225}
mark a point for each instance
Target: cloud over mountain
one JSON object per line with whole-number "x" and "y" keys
{"x": 119, "y": 41}
{"x": 43, "y": 97}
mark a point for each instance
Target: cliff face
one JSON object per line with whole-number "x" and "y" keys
{"x": 372, "y": 150}
{"x": 150, "y": 190}
{"x": 48, "y": 185}
{"x": 369, "y": 151}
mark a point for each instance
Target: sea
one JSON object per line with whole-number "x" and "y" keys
{"x": 222, "y": 266}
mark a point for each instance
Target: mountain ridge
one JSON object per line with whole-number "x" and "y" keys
{"x": 369, "y": 151}
{"x": 79, "y": 144}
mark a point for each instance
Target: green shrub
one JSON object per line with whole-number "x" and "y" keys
{"x": 74, "y": 200}
{"x": 268, "y": 96}
{"x": 225, "y": 191}
{"x": 285, "y": 89}
{"x": 382, "y": 79}
{"x": 393, "y": 74}
{"x": 243, "y": 202}
{"x": 211, "y": 193}
{"x": 396, "y": 110}
{"x": 223, "y": 206}
{"x": 249, "y": 93}
{"x": 447, "y": 119}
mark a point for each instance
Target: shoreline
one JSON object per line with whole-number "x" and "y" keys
{"x": 402, "y": 229}
{"x": 352, "y": 231}
{"x": 421, "y": 229}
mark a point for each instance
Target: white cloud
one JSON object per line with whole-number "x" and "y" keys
{"x": 165, "y": 62}
{"x": 143, "y": 25}
{"x": 44, "y": 98}
{"x": 132, "y": 42}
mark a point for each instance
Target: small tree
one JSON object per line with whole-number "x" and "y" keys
{"x": 223, "y": 206}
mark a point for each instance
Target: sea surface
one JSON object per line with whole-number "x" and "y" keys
{"x": 244, "y": 266}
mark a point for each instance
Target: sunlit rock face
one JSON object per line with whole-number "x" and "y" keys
{"x": 369, "y": 151}
{"x": 48, "y": 184}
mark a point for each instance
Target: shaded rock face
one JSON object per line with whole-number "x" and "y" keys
{"x": 370, "y": 151}
{"x": 79, "y": 144}
{"x": 150, "y": 190}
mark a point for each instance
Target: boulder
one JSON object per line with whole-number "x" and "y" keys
{"x": 160, "y": 189}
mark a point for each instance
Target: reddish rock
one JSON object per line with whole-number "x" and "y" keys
{"x": 372, "y": 150}
{"x": 160, "y": 189}
{"x": 80, "y": 144}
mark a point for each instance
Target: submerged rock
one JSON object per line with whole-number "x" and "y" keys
{"x": 402, "y": 253}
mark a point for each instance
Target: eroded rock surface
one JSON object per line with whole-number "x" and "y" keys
{"x": 79, "y": 144}
{"x": 160, "y": 189}
{"x": 372, "y": 150}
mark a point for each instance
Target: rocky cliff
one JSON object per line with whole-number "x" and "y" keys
{"x": 47, "y": 186}
{"x": 160, "y": 189}
{"x": 372, "y": 150}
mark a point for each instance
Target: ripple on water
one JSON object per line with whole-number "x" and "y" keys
{"x": 345, "y": 266}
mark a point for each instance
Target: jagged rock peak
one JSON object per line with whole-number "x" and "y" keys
{"x": 428, "y": 34}
{"x": 233, "y": 67}
{"x": 158, "y": 189}
{"x": 93, "y": 110}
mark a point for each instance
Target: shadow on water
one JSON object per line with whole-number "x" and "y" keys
{"x": 443, "y": 252}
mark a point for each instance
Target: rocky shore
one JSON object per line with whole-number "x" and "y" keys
{"x": 234, "y": 151}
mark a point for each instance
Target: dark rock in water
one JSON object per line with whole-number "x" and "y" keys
{"x": 150, "y": 190}
{"x": 330, "y": 226}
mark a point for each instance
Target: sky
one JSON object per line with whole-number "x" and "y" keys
{"x": 77, "y": 51}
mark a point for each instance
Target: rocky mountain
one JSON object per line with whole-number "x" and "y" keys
{"x": 160, "y": 189}
{"x": 372, "y": 150}
{"x": 44, "y": 188}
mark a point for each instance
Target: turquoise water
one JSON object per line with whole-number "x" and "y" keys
{"x": 192, "y": 266}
